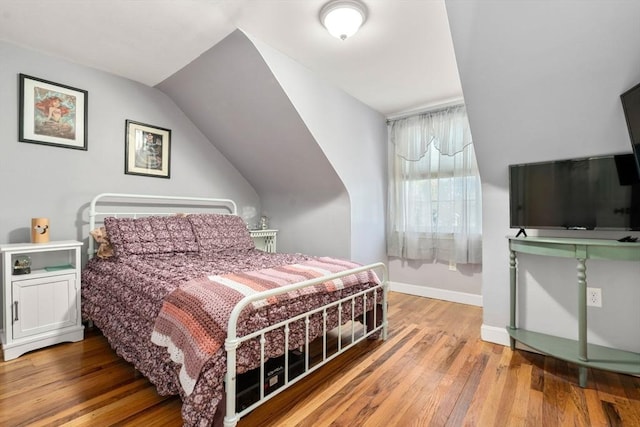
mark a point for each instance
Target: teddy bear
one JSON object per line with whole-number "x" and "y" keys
{"x": 105, "y": 250}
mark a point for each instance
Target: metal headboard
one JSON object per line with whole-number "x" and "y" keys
{"x": 135, "y": 201}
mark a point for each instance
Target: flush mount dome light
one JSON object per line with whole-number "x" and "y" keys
{"x": 343, "y": 18}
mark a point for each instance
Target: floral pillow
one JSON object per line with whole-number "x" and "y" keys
{"x": 218, "y": 232}
{"x": 150, "y": 235}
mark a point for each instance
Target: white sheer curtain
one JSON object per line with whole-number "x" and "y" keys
{"x": 434, "y": 189}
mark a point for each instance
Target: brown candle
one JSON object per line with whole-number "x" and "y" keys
{"x": 39, "y": 230}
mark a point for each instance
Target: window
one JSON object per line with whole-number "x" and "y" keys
{"x": 434, "y": 189}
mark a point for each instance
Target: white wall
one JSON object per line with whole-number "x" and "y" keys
{"x": 233, "y": 97}
{"x": 58, "y": 183}
{"x": 542, "y": 81}
{"x": 310, "y": 225}
{"x": 459, "y": 283}
{"x": 353, "y": 138}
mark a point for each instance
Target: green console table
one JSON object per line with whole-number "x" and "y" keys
{"x": 580, "y": 352}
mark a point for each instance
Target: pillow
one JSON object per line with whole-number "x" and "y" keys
{"x": 150, "y": 235}
{"x": 218, "y": 232}
{"x": 105, "y": 250}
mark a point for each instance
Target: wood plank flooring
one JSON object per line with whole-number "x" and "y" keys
{"x": 433, "y": 370}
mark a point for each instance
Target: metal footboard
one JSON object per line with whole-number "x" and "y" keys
{"x": 377, "y": 295}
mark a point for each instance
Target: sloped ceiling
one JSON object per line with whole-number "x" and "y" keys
{"x": 231, "y": 95}
{"x": 400, "y": 59}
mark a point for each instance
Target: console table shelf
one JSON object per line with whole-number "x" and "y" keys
{"x": 577, "y": 351}
{"x": 600, "y": 357}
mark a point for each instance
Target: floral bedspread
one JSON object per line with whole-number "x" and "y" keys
{"x": 124, "y": 296}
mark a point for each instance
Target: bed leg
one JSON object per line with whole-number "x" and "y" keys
{"x": 231, "y": 344}
{"x": 385, "y": 322}
{"x": 230, "y": 421}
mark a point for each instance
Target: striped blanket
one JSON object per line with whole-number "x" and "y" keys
{"x": 193, "y": 320}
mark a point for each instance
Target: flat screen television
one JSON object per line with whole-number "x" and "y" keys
{"x": 631, "y": 106}
{"x": 579, "y": 194}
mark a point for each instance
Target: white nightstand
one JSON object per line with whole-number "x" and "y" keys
{"x": 40, "y": 308}
{"x": 265, "y": 240}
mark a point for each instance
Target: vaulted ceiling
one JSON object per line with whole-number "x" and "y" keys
{"x": 401, "y": 59}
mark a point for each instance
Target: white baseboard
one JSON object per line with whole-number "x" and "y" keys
{"x": 442, "y": 294}
{"x": 500, "y": 336}
{"x": 495, "y": 335}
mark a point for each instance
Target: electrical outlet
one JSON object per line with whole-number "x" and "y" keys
{"x": 452, "y": 266}
{"x": 594, "y": 297}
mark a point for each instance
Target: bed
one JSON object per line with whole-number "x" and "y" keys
{"x": 178, "y": 288}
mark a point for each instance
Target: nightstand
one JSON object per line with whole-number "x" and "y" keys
{"x": 42, "y": 307}
{"x": 265, "y": 240}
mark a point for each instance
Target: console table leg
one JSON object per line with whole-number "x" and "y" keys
{"x": 582, "y": 320}
{"x": 582, "y": 376}
{"x": 582, "y": 310}
{"x": 512, "y": 296}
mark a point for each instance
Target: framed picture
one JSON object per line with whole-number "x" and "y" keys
{"x": 52, "y": 114}
{"x": 147, "y": 150}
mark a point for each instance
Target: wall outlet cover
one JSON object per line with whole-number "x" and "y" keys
{"x": 594, "y": 297}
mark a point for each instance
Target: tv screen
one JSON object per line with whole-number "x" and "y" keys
{"x": 590, "y": 193}
{"x": 631, "y": 106}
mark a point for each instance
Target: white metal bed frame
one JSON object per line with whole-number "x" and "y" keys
{"x": 378, "y": 294}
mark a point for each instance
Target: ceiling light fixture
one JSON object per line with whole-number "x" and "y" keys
{"x": 343, "y": 18}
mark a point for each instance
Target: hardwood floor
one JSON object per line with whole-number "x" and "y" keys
{"x": 433, "y": 370}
